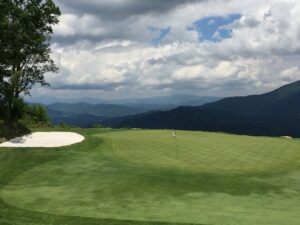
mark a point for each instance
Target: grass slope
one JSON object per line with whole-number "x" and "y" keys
{"x": 126, "y": 177}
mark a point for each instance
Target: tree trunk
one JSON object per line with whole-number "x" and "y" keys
{"x": 10, "y": 119}
{"x": 13, "y": 98}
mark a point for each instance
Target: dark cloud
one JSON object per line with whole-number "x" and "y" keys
{"x": 117, "y": 9}
{"x": 105, "y": 87}
{"x": 117, "y": 17}
{"x": 114, "y": 33}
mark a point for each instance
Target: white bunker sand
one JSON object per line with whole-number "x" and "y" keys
{"x": 44, "y": 139}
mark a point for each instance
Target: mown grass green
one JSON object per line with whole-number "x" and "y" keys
{"x": 136, "y": 177}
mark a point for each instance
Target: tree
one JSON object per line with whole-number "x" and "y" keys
{"x": 25, "y": 33}
{"x": 35, "y": 115}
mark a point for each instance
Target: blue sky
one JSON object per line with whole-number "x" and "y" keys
{"x": 162, "y": 33}
{"x": 214, "y": 28}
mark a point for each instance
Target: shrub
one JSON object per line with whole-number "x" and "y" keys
{"x": 98, "y": 125}
{"x": 35, "y": 115}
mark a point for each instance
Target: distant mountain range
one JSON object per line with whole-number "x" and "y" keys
{"x": 85, "y": 114}
{"x": 272, "y": 114}
{"x": 172, "y": 101}
{"x": 103, "y": 110}
{"x": 153, "y": 102}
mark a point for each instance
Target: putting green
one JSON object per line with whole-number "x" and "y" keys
{"x": 202, "y": 151}
{"x": 199, "y": 177}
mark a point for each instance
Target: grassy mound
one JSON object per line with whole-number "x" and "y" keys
{"x": 132, "y": 176}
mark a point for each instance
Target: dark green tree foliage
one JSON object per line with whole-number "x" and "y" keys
{"x": 35, "y": 115}
{"x": 25, "y": 32}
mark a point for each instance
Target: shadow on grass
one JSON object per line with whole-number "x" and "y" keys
{"x": 164, "y": 179}
{"x": 236, "y": 185}
{"x": 12, "y": 131}
{"x": 13, "y": 216}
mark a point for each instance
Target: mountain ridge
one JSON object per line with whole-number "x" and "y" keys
{"x": 275, "y": 113}
{"x": 85, "y": 114}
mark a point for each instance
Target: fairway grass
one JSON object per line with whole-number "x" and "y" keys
{"x": 149, "y": 177}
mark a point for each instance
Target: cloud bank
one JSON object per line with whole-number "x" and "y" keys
{"x": 120, "y": 48}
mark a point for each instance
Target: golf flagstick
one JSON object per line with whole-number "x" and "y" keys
{"x": 176, "y": 144}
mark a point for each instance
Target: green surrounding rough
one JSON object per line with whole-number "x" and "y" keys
{"x": 141, "y": 177}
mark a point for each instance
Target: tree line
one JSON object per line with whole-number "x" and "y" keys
{"x": 26, "y": 27}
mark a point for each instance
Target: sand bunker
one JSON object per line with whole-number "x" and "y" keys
{"x": 44, "y": 139}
